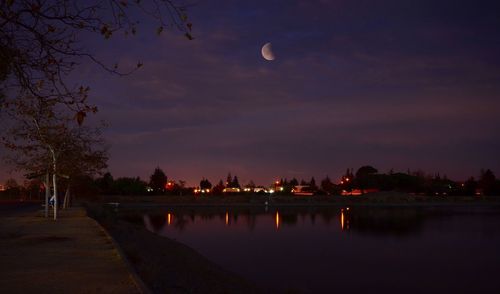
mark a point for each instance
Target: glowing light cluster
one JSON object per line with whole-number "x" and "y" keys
{"x": 202, "y": 191}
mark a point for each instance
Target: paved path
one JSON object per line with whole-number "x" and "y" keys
{"x": 71, "y": 255}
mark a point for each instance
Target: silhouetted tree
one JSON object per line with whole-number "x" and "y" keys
{"x": 12, "y": 188}
{"x": 235, "y": 183}
{"x": 129, "y": 186}
{"x": 157, "y": 181}
{"x": 487, "y": 182}
{"x": 250, "y": 185}
{"x": 347, "y": 181}
{"x": 470, "y": 187}
{"x": 205, "y": 184}
{"x": 294, "y": 182}
{"x": 105, "y": 183}
{"x": 217, "y": 190}
{"x": 327, "y": 185}
{"x": 365, "y": 171}
{"x": 312, "y": 184}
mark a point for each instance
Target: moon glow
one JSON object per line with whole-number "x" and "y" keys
{"x": 267, "y": 52}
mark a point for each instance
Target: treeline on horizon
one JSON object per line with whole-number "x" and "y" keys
{"x": 366, "y": 179}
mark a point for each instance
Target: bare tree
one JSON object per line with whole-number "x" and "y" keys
{"x": 40, "y": 43}
{"x": 84, "y": 155}
{"x": 43, "y": 142}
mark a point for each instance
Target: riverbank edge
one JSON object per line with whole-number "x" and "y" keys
{"x": 224, "y": 279}
{"x": 139, "y": 283}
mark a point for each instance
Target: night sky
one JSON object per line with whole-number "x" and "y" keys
{"x": 393, "y": 84}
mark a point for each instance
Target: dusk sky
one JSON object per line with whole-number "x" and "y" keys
{"x": 393, "y": 84}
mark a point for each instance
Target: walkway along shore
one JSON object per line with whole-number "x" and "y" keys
{"x": 71, "y": 255}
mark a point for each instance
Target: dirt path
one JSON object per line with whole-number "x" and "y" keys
{"x": 71, "y": 255}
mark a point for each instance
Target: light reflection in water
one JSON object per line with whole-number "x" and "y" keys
{"x": 342, "y": 219}
{"x": 386, "y": 229}
{"x": 277, "y": 220}
{"x": 169, "y": 218}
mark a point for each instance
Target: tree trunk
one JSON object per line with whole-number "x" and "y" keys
{"x": 67, "y": 197}
{"x": 47, "y": 193}
{"x": 54, "y": 183}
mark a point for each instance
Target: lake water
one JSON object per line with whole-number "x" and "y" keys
{"x": 346, "y": 249}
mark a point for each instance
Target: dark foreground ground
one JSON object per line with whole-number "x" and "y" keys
{"x": 71, "y": 255}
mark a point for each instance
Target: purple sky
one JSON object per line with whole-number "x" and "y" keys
{"x": 394, "y": 84}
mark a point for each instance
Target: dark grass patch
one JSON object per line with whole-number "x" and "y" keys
{"x": 133, "y": 256}
{"x": 45, "y": 239}
{"x": 11, "y": 235}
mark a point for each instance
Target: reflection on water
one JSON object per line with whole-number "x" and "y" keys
{"x": 169, "y": 218}
{"x": 277, "y": 220}
{"x": 354, "y": 249}
{"x": 396, "y": 221}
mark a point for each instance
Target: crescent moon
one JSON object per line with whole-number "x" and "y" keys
{"x": 267, "y": 52}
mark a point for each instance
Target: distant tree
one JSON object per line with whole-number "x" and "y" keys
{"x": 235, "y": 183}
{"x": 312, "y": 184}
{"x": 32, "y": 188}
{"x": 158, "y": 180}
{"x": 250, "y": 185}
{"x": 294, "y": 182}
{"x": 386, "y": 182}
{"x": 303, "y": 182}
{"x": 12, "y": 188}
{"x": 347, "y": 181}
{"x": 129, "y": 186}
{"x": 217, "y": 190}
{"x": 205, "y": 184}
{"x": 229, "y": 180}
{"x": 470, "y": 187}
{"x": 182, "y": 187}
{"x": 366, "y": 177}
{"x": 487, "y": 182}
{"x": 105, "y": 183}
{"x": 11, "y": 184}
{"x": 327, "y": 185}
{"x": 365, "y": 171}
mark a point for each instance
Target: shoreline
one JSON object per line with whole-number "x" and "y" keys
{"x": 375, "y": 199}
{"x": 165, "y": 265}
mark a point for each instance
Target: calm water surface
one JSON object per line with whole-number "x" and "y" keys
{"x": 346, "y": 249}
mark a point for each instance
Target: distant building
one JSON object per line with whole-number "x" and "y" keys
{"x": 303, "y": 190}
{"x": 231, "y": 190}
{"x": 357, "y": 192}
{"x": 260, "y": 189}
